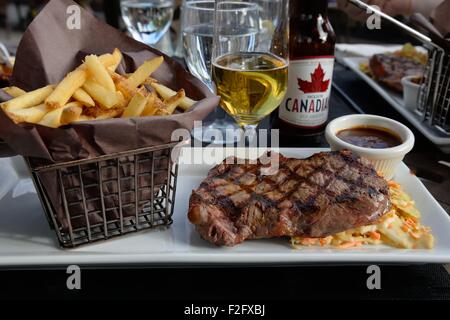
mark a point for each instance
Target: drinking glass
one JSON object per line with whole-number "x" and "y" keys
{"x": 147, "y": 20}
{"x": 270, "y": 17}
{"x": 250, "y": 79}
{"x": 198, "y": 32}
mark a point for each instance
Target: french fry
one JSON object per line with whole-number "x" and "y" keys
{"x": 144, "y": 71}
{"x": 14, "y": 91}
{"x": 149, "y": 81}
{"x": 117, "y": 58}
{"x": 111, "y": 61}
{"x": 71, "y": 112}
{"x": 30, "y": 115}
{"x": 29, "y": 99}
{"x": 161, "y": 108}
{"x": 166, "y": 93}
{"x": 83, "y": 97}
{"x": 61, "y": 116}
{"x": 151, "y": 105}
{"x": 98, "y": 71}
{"x": 94, "y": 91}
{"x": 107, "y": 60}
{"x": 123, "y": 86}
{"x": 174, "y": 101}
{"x": 52, "y": 119}
{"x": 84, "y": 118}
{"x": 66, "y": 88}
{"x": 103, "y": 96}
{"x": 136, "y": 106}
{"x": 122, "y": 101}
{"x": 108, "y": 114}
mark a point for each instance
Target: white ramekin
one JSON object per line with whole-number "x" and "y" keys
{"x": 386, "y": 160}
{"x": 410, "y": 93}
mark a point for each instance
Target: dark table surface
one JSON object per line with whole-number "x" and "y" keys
{"x": 186, "y": 285}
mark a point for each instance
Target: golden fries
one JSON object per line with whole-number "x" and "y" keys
{"x": 123, "y": 86}
{"x": 66, "y": 88}
{"x": 136, "y": 106}
{"x": 100, "y": 94}
{"x": 111, "y": 61}
{"x": 14, "y": 91}
{"x": 117, "y": 58}
{"x": 144, "y": 71}
{"x": 30, "y": 115}
{"x": 52, "y": 119}
{"x": 98, "y": 71}
{"x": 72, "y": 111}
{"x": 149, "y": 81}
{"x": 150, "y": 106}
{"x": 95, "y": 91}
{"x": 62, "y": 116}
{"x": 103, "y": 114}
{"x": 174, "y": 101}
{"x": 83, "y": 97}
{"x": 30, "y": 99}
{"x": 84, "y": 118}
{"x": 107, "y": 60}
{"x": 166, "y": 93}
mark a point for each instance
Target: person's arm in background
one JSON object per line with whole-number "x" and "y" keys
{"x": 391, "y": 7}
{"x": 441, "y": 18}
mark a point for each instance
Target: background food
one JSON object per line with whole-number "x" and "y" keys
{"x": 390, "y": 68}
{"x": 400, "y": 227}
{"x": 94, "y": 91}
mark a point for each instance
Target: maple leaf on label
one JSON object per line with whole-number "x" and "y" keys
{"x": 317, "y": 84}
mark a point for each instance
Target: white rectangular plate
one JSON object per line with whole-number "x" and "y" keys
{"x": 396, "y": 101}
{"x": 26, "y": 240}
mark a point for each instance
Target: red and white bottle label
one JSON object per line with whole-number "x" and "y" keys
{"x": 307, "y": 100}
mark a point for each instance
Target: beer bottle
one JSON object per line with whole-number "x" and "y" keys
{"x": 311, "y": 60}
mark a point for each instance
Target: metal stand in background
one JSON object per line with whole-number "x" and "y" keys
{"x": 434, "y": 97}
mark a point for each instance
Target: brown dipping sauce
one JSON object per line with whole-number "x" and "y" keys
{"x": 370, "y": 137}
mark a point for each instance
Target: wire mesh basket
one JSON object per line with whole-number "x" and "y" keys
{"x": 434, "y": 97}
{"x": 97, "y": 199}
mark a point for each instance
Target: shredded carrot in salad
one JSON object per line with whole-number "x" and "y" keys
{"x": 400, "y": 227}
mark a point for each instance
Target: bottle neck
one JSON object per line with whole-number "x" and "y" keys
{"x": 309, "y": 7}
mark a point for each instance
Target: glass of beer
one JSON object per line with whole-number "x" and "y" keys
{"x": 250, "y": 76}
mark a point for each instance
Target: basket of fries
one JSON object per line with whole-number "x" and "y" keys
{"x": 94, "y": 123}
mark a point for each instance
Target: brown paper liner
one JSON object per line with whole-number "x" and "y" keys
{"x": 46, "y": 53}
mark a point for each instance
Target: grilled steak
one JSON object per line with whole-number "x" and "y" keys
{"x": 390, "y": 69}
{"x": 327, "y": 193}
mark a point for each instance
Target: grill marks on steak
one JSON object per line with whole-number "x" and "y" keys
{"x": 389, "y": 69}
{"x": 327, "y": 193}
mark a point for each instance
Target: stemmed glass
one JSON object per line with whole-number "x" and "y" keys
{"x": 147, "y": 20}
{"x": 251, "y": 80}
{"x": 198, "y": 31}
{"x": 270, "y": 17}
